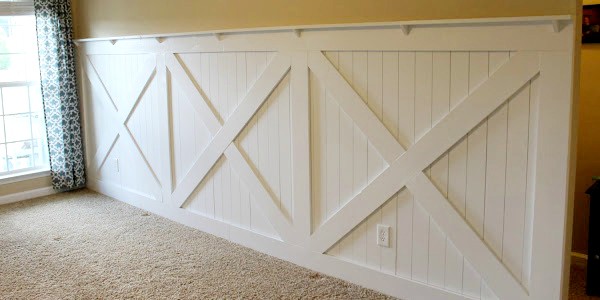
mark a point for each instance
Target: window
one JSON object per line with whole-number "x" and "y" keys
{"x": 23, "y": 145}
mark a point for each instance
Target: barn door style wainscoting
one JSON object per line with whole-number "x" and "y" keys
{"x": 299, "y": 143}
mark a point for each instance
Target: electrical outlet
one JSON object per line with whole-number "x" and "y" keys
{"x": 116, "y": 165}
{"x": 383, "y": 235}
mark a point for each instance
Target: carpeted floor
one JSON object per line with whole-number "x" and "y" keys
{"x": 83, "y": 245}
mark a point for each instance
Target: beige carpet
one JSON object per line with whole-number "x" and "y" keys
{"x": 83, "y": 245}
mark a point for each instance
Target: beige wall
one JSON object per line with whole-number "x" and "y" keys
{"x": 588, "y": 156}
{"x": 26, "y": 185}
{"x": 588, "y": 139}
{"x": 104, "y": 18}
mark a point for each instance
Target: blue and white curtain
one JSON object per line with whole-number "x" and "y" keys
{"x": 59, "y": 93}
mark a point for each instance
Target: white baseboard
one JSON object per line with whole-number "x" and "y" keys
{"x": 323, "y": 263}
{"x": 26, "y": 195}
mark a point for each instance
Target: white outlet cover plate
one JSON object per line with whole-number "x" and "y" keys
{"x": 383, "y": 235}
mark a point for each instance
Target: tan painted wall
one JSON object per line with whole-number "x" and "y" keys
{"x": 588, "y": 158}
{"x": 588, "y": 139}
{"x": 104, "y": 18}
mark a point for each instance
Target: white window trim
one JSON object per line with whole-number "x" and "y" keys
{"x": 16, "y": 8}
{"x": 25, "y": 175}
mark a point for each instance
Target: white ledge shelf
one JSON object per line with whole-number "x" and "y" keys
{"x": 556, "y": 23}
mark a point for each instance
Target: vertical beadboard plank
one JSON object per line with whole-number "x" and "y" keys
{"x": 216, "y": 205}
{"x": 232, "y": 101}
{"x": 454, "y": 268}
{"x": 175, "y": 132}
{"x": 457, "y": 157}
{"x": 218, "y": 189}
{"x": 285, "y": 151}
{"x": 346, "y": 154}
{"x": 471, "y": 281}
{"x": 440, "y": 106}
{"x": 388, "y": 254}
{"x": 332, "y": 129}
{"x": 318, "y": 153}
{"x": 439, "y": 169}
{"x": 213, "y": 61}
{"x": 301, "y": 147}
{"x": 406, "y": 98}
{"x": 420, "y": 251}
{"x": 437, "y": 255}
{"x": 496, "y": 167}
{"x": 440, "y": 102}
{"x": 516, "y": 181}
{"x": 232, "y": 89}
{"x": 223, "y": 86}
{"x": 166, "y": 119}
{"x": 346, "y": 136}
{"x": 235, "y": 198}
{"x": 476, "y": 162}
{"x": 258, "y": 219}
{"x": 226, "y": 189}
{"x": 374, "y": 163}
{"x": 245, "y": 214}
{"x": 404, "y": 223}
{"x": 423, "y": 93}
{"x": 406, "y": 104}
{"x": 252, "y": 63}
{"x": 210, "y": 195}
{"x": 390, "y": 92}
{"x": 390, "y": 120}
{"x": 272, "y": 115}
{"x": 359, "y": 79}
{"x": 422, "y": 117}
{"x": 534, "y": 104}
{"x": 242, "y": 85}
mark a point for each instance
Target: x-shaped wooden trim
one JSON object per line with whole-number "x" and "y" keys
{"x": 223, "y": 140}
{"x": 406, "y": 167}
{"x": 119, "y": 128}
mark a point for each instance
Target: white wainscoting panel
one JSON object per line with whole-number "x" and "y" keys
{"x": 305, "y": 144}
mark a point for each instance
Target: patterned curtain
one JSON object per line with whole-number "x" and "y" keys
{"x": 59, "y": 93}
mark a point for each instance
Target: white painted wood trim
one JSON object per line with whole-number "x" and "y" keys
{"x": 478, "y": 105}
{"x": 466, "y": 239}
{"x": 355, "y": 107}
{"x": 22, "y": 176}
{"x": 182, "y": 59}
{"x": 551, "y": 179}
{"x": 197, "y": 98}
{"x": 240, "y": 117}
{"x": 300, "y": 108}
{"x": 473, "y": 21}
{"x": 26, "y": 195}
{"x": 166, "y": 174}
